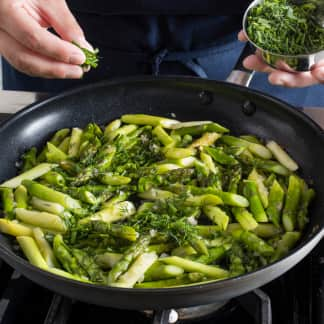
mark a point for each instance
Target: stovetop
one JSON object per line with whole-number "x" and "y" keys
{"x": 297, "y": 297}
{"x": 294, "y": 298}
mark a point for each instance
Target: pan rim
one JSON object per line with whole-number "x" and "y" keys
{"x": 316, "y": 235}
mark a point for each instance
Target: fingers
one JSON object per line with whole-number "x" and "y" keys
{"x": 62, "y": 20}
{"x": 286, "y": 79}
{"x": 241, "y": 36}
{"x": 29, "y": 33}
{"x": 292, "y": 80}
{"x": 253, "y": 62}
{"x": 318, "y": 72}
{"x": 65, "y": 23}
{"x": 33, "y": 64}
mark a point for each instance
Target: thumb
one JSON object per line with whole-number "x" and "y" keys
{"x": 65, "y": 24}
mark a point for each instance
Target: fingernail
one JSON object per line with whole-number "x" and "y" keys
{"x": 77, "y": 58}
{"x": 74, "y": 72}
{"x": 84, "y": 43}
{"x": 280, "y": 82}
{"x": 247, "y": 63}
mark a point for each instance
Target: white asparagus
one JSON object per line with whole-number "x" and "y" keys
{"x": 31, "y": 174}
{"x": 282, "y": 156}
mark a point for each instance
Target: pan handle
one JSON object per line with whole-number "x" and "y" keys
{"x": 240, "y": 75}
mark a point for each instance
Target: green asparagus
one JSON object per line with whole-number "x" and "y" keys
{"x": 151, "y": 202}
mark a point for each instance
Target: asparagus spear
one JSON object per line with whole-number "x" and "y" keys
{"x": 114, "y": 180}
{"x": 14, "y": 228}
{"x": 41, "y": 219}
{"x": 64, "y": 145}
{"x": 129, "y": 256}
{"x": 160, "y": 248}
{"x": 122, "y": 131}
{"x": 81, "y": 193}
{"x": 108, "y": 259}
{"x": 155, "y": 194}
{"x": 262, "y": 230}
{"x": 141, "y": 119}
{"x": 59, "y": 136}
{"x": 67, "y": 260}
{"x": 289, "y": 214}
{"x": 192, "y": 266}
{"x": 234, "y": 182}
{"x": 8, "y": 202}
{"x": 184, "y": 251}
{"x": 47, "y": 206}
{"x": 31, "y": 251}
{"x": 236, "y": 261}
{"x": 282, "y": 156}
{"x": 113, "y": 213}
{"x": 245, "y": 219}
{"x": 54, "y": 154}
{"x": 89, "y": 265}
{"x": 45, "y": 193}
{"x": 179, "y": 153}
{"x": 163, "y": 136}
{"x": 185, "y": 279}
{"x": 31, "y": 174}
{"x": 262, "y": 189}
{"x": 251, "y": 192}
{"x": 160, "y": 271}
{"x": 54, "y": 178}
{"x": 206, "y": 140}
{"x": 117, "y": 230}
{"x": 29, "y": 159}
{"x": 285, "y": 244}
{"x": 208, "y": 161}
{"x": 103, "y": 162}
{"x": 276, "y": 201}
{"x": 217, "y": 216}
{"x": 255, "y": 148}
{"x": 220, "y": 157}
{"x": 215, "y": 254}
{"x": 253, "y": 242}
{"x": 45, "y": 248}
{"x": 112, "y": 126}
{"x": 136, "y": 271}
{"x": 75, "y": 142}
{"x": 307, "y": 196}
{"x": 204, "y": 200}
{"x": 197, "y": 128}
{"x": 267, "y": 230}
{"x": 166, "y": 167}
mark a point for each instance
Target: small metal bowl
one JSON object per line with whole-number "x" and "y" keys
{"x": 289, "y": 63}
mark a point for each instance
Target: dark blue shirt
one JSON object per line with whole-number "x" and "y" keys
{"x": 147, "y": 26}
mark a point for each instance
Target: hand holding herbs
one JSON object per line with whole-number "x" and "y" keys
{"x": 282, "y": 27}
{"x": 150, "y": 202}
{"x": 28, "y": 44}
{"x": 91, "y": 60}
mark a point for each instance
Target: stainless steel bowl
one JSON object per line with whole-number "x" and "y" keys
{"x": 289, "y": 63}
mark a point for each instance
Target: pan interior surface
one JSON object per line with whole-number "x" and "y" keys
{"x": 242, "y": 110}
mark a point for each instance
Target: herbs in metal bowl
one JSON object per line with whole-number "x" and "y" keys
{"x": 283, "y": 28}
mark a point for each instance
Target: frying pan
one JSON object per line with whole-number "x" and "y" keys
{"x": 242, "y": 110}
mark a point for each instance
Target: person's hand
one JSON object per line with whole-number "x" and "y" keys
{"x": 27, "y": 44}
{"x": 281, "y": 78}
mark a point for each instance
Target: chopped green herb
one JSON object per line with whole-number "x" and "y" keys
{"x": 283, "y": 28}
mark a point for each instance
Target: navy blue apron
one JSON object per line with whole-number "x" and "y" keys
{"x": 162, "y": 37}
